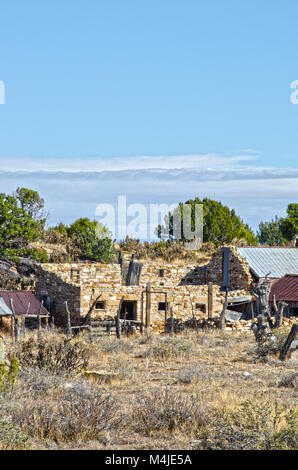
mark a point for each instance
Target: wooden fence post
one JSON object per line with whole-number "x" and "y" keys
{"x": 2, "y": 352}
{"x": 117, "y": 319}
{"x": 142, "y": 314}
{"x": 14, "y": 321}
{"x": 148, "y": 306}
{"x": 39, "y": 325}
{"x": 171, "y": 323}
{"x": 12, "y": 327}
{"x": 166, "y": 310}
{"x": 117, "y": 325}
{"x": 210, "y": 300}
{"x": 68, "y": 320}
{"x": 23, "y": 328}
{"x": 279, "y": 311}
{"x": 286, "y": 347}
{"x": 39, "y": 319}
{"x": 222, "y": 318}
{"x": 16, "y": 329}
{"x": 194, "y": 317}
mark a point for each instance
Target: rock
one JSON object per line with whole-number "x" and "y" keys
{"x": 103, "y": 377}
{"x": 246, "y": 374}
{"x": 289, "y": 381}
{"x": 8, "y": 269}
{"x": 26, "y": 267}
{"x": 294, "y": 357}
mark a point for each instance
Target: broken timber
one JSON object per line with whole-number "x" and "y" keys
{"x": 286, "y": 347}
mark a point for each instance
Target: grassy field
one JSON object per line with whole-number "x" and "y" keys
{"x": 206, "y": 390}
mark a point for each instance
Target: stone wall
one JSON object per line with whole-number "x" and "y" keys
{"x": 80, "y": 284}
{"x": 240, "y": 277}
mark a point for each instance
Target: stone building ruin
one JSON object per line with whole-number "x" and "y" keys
{"x": 189, "y": 290}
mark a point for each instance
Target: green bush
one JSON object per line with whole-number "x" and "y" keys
{"x": 9, "y": 375}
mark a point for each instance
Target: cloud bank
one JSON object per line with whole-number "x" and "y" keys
{"x": 73, "y": 188}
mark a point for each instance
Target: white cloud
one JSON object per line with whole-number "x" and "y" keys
{"x": 119, "y": 164}
{"x": 73, "y": 188}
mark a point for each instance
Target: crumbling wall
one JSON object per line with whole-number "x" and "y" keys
{"x": 58, "y": 282}
{"x": 240, "y": 277}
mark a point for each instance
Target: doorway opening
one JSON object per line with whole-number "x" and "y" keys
{"x": 129, "y": 310}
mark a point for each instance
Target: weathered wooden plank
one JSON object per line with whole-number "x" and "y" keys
{"x": 286, "y": 347}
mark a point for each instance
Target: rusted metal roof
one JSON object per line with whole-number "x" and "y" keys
{"x": 21, "y": 300}
{"x": 285, "y": 289}
{"x": 275, "y": 262}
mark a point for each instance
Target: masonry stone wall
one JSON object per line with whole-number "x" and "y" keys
{"x": 240, "y": 277}
{"x": 186, "y": 287}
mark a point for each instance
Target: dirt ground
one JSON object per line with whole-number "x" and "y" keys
{"x": 205, "y": 390}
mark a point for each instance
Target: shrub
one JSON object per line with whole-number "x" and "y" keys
{"x": 187, "y": 374}
{"x": 168, "y": 411}
{"x": 122, "y": 367}
{"x": 254, "y": 426}
{"x": 8, "y": 376}
{"x": 114, "y": 345}
{"x": 289, "y": 381}
{"x": 11, "y": 437}
{"x": 80, "y": 413}
{"x": 54, "y": 353}
{"x": 166, "y": 348}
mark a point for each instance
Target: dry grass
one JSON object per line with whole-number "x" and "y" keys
{"x": 207, "y": 391}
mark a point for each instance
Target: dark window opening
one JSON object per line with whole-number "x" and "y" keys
{"x": 201, "y": 307}
{"x": 161, "y": 273}
{"x": 241, "y": 307}
{"x": 294, "y": 311}
{"x": 162, "y": 306}
{"x": 129, "y": 310}
{"x": 100, "y": 305}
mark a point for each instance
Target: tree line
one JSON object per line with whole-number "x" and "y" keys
{"x": 23, "y": 220}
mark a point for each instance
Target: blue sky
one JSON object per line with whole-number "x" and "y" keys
{"x": 98, "y": 85}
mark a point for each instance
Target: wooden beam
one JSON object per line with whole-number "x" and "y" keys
{"x": 87, "y": 317}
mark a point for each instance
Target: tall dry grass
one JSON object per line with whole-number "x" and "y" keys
{"x": 204, "y": 391}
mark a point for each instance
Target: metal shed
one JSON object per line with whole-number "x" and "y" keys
{"x": 24, "y": 303}
{"x": 275, "y": 262}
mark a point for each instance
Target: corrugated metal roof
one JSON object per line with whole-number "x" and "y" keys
{"x": 4, "y": 310}
{"x": 21, "y": 299}
{"x": 276, "y": 261}
{"x": 285, "y": 289}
